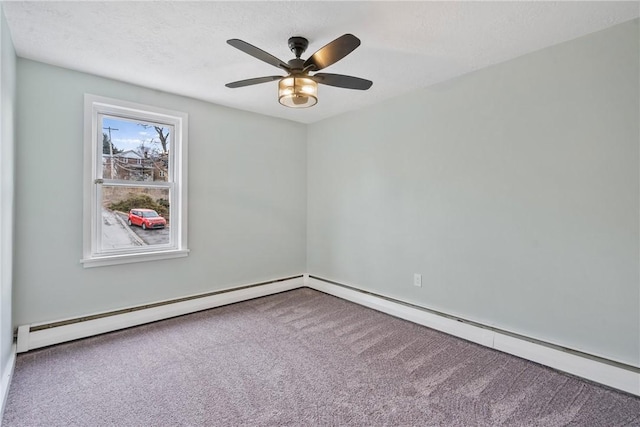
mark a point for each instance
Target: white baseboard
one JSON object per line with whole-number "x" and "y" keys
{"x": 29, "y": 339}
{"x": 604, "y": 373}
{"x": 594, "y": 370}
{"x": 5, "y": 380}
{"x": 610, "y": 374}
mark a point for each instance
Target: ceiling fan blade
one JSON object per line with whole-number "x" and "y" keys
{"x": 258, "y": 53}
{"x": 340, "y": 80}
{"x": 332, "y": 52}
{"x": 249, "y": 82}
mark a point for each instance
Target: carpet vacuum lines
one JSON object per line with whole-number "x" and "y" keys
{"x": 298, "y": 358}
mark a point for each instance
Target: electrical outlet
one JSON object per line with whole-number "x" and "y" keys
{"x": 417, "y": 280}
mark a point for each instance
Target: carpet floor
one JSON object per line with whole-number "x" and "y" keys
{"x": 299, "y": 358}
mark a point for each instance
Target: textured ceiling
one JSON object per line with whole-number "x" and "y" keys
{"x": 180, "y": 47}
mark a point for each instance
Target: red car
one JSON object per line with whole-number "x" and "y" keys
{"x": 146, "y": 218}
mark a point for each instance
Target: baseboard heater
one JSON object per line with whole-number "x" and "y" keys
{"x": 615, "y": 374}
{"x": 30, "y": 337}
{"x": 605, "y": 371}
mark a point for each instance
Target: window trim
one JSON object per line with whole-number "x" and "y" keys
{"x": 94, "y": 106}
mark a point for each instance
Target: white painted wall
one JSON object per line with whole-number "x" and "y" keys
{"x": 7, "y": 144}
{"x": 514, "y": 190}
{"x": 247, "y": 201}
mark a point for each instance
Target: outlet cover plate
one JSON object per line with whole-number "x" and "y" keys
{"x": 417, "y": 280}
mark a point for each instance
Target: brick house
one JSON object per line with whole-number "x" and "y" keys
{"x": 132, "y": 165}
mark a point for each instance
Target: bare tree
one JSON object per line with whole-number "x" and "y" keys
{"x": 163, "y": 138}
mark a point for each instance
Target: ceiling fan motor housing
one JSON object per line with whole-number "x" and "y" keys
{"x": 296, "y": 65}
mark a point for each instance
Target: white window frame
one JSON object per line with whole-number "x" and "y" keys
{"x": 94, "y": 108}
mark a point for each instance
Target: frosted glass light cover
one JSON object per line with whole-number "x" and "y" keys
{"x": 297, "y": 92}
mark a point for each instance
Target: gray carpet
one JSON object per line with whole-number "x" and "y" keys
{"x": 300, "y": 358}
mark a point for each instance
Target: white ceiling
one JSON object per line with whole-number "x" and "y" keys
{"x": 180, "y": 47}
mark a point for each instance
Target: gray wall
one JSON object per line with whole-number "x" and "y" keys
{"x": 7, "y": 144}
{"x": 246, "y": 209}
{"x": 514, "y": 190}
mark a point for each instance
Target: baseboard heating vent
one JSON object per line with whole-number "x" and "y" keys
{"x": 30, "y": 337}
{"x": 622, "y": 376}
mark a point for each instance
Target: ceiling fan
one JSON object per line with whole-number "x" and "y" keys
{"x": 299, "y": 89}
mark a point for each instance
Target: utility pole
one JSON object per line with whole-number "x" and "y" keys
{"x": 113, "y": 169}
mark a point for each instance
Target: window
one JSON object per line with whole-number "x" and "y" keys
{"x": 135, "y": 182}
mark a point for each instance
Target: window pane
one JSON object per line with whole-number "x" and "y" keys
{"x": 135, "y": 150}
{"x": 134, "y": 217}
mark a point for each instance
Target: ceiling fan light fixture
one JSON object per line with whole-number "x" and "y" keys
{"x": 298, "y": 89}
{"x": 297, "y": 92}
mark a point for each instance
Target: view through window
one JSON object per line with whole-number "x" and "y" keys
{"x": 135, "y": 192}
{"x": 136, "y": 208}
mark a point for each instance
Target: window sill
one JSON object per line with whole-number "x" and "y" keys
{"x": 102, "y": 261}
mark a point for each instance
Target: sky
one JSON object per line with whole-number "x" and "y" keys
{"x": 130, "y": 135}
